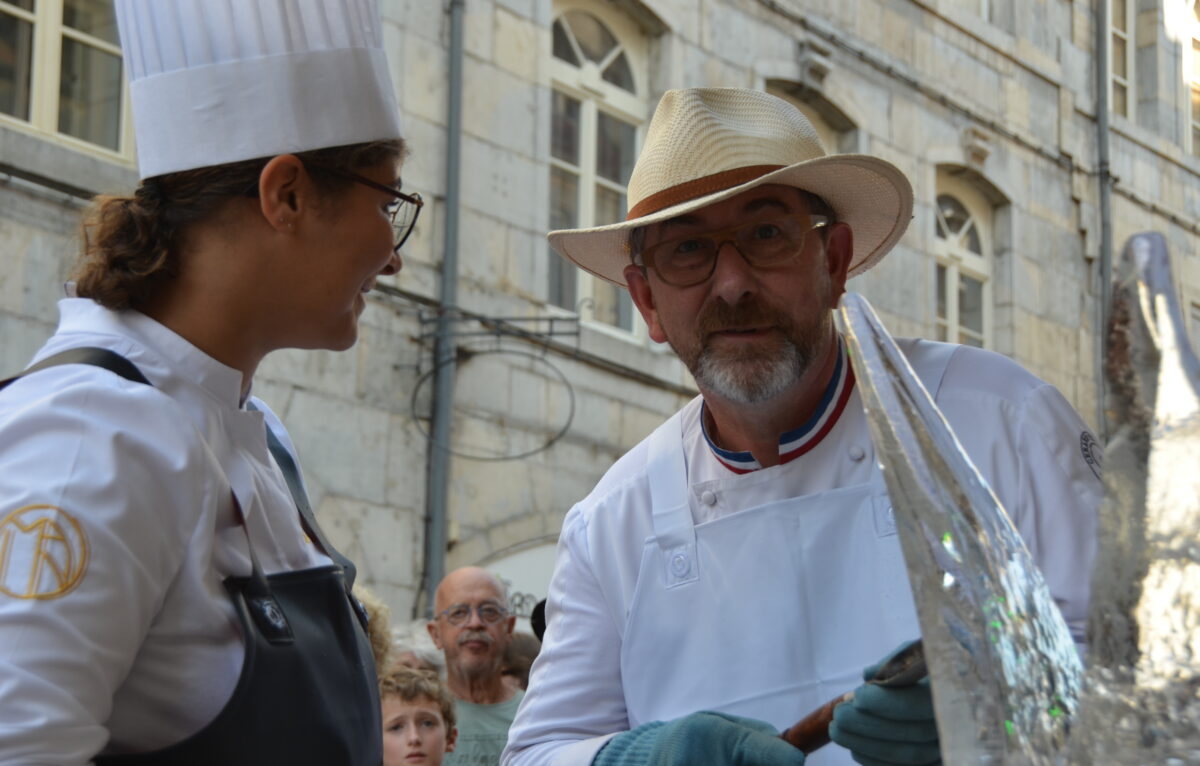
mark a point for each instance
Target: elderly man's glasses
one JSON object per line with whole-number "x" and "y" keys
{"x": 691, "y": 259}
{"x": 404, "y": 209}
{"x": 490, "y": 614}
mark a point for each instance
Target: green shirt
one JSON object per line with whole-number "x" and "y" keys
{"x": 482, "y": 732}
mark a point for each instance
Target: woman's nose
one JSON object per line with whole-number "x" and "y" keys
{"x": 393, "y": 265}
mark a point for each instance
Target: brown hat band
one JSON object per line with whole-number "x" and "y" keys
{"x": 698, "y": 187}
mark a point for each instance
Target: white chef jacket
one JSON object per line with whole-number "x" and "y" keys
{"x": 1022, "y": 435}
{"x": 115, "y": 625}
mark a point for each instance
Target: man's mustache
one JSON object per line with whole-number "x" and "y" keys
{"x": 719, "y": 315}
{"x": 474, "y": 635}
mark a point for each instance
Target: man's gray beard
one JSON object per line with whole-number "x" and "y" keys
{"x": 749, "y": 380}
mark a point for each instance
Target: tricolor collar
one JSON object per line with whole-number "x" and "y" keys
{"x": 795, "y": 443}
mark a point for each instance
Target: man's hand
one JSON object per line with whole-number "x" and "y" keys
{"x": 888, "y": 725}
{"x": 714, "y": 739}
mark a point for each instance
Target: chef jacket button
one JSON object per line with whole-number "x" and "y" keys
{"x": 857, "y": 453}
{"x": 679, "y": 564}
{"x": 708, "y": 497}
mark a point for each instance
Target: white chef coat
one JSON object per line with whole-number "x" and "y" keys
{"x": 120, "y": 628}
{"x": 1020, "y": 432}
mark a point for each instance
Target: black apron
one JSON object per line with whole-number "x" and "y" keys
{"x": 307, "y": 694}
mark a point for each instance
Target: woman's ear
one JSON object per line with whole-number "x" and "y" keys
{"x": 282, "y": 191}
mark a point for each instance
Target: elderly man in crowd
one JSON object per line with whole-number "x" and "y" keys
{"x": 742, "y": 560}
{"x": 473, "y": 628}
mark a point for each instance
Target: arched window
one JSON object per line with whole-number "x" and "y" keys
{"x": 598, "y": 108}
{"x": 963, "y": 248}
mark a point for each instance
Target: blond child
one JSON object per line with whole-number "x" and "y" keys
{"x": 418, "y": 718}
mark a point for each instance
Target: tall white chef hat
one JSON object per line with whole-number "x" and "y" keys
{"x": 217, "y": 81}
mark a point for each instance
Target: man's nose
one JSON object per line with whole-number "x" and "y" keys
{"x": 473, "y": 618}
{"x": 733, "y": 277}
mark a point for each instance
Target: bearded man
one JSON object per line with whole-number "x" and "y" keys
{"x": 740, "y": 566}
{"x": 473, "y": 628}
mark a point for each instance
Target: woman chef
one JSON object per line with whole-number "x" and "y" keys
{"x": 163, "y": 598}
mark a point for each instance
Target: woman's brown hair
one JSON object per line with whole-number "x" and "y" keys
{"x": 130, "y": 244}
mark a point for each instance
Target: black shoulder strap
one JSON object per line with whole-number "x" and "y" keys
{"x": 291, "y": 472}
{"x": 114, "y": 362}
{"x": 97, "y": 357}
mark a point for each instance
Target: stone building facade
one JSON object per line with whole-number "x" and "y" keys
{"x": 990, "y": 107}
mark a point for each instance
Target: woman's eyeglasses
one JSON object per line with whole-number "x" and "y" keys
{"x": 404, "y": 209}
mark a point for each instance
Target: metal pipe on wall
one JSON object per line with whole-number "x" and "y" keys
{"x": 438, "y": 477}
{"x": 1104, "y": 176}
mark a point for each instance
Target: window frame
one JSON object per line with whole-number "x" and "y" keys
{"x": 1191, "y": 79}
{"x": 960, "y": 261}
{"x": 596, "y": 95}
{"x": 45, "y": 82}
{"x": 1129, "y": 37}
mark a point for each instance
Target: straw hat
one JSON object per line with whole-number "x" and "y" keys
{"x": 217, "y": 81}
{"x": 705, "y": 145}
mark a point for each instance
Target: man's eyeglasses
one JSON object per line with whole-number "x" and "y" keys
{"x": 490, "y": 614}
{"x": 691, "y": 259}
{"x": 404, "y": 209}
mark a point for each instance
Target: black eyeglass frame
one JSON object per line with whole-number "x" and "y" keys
{"x": 646, "y": 259}
{"x": 413, "y": 199}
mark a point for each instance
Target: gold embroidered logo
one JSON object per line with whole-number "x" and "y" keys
{"x": 43, "y": 552}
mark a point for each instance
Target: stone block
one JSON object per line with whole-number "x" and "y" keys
{"x": 499, "y": 108}
{"x": 499, "y": 182}
{"x": 405, "y": 467}
{"x": 479, "y": 29}
{"x": 519, "y": 44}
{"x": 516, "y": 530}
{"x": 637, "y": 423}
{"x": 421, "y": 17}
{"x": 343, "y": 446}
{"x": 483, "y": 247}
{"x": 425, "y": 80}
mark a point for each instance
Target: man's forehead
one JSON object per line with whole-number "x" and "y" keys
{"x": 766, "y": 197}
{"x": 470, "y": 588}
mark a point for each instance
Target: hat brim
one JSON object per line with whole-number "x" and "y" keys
{"x": 869, "y": 194}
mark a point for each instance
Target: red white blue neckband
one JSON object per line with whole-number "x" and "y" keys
{"x": 795, "y": 443}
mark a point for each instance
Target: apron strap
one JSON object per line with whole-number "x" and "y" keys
{"x": 97, "y": 357}
{"x": 291, "y": 473}
{"x": 670, "y": 510}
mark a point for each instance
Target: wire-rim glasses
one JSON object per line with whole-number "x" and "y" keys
{"x": 490, "y": 614}
{"x": 691, "y": 259}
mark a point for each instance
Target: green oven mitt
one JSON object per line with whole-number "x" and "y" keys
{"x": 888, "y": 725}
{"x": 713, "y": 739}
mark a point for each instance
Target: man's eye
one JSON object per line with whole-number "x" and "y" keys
{"x": 689, "y": 246}
{"x": 391, "y": 207}
{"x": 460, "y": 613}
{"x": 765, "y": 231}
{"x": 489, "y": 613}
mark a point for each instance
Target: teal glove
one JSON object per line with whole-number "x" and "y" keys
{"x": 713, "y": 739}
{"x": 888, "y": 725}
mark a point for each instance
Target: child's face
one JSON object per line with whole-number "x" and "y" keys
{"x": 414, "y": 733}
